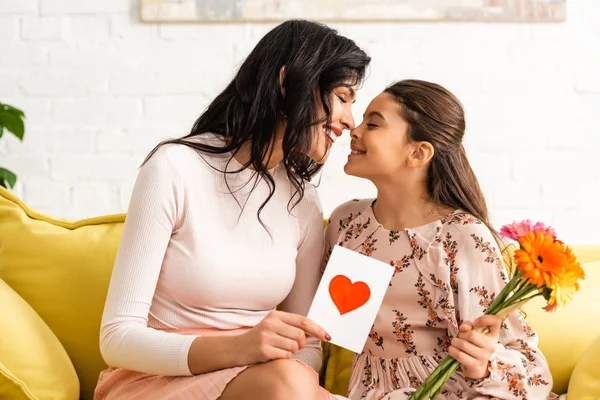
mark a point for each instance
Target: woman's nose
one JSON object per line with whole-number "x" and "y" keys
{"x": 348, "y": 120}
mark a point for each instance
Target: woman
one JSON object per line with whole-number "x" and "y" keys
{"x": 223, "y": 227}
{"x": 430, "y": 222}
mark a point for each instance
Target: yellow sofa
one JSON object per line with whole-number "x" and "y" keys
{"x": 54, "y": 276}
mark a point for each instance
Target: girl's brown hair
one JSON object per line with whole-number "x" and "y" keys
{"x": 436, "y": 116}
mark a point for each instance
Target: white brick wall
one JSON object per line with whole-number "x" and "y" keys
{"x": 19, "y": 7}
{"x": 100, "y": 89}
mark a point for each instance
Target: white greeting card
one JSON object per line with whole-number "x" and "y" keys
{"x": 349, "y": 297}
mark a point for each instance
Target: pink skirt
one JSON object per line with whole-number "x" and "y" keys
{"x": 119, "y": 383}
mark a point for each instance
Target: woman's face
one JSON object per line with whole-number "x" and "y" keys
{"x": 324, "y": 135}
{"x": 380, "y": 147}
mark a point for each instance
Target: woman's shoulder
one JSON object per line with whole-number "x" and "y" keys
{"x": 182, "y": 157}
{"x": 171, "y": 153}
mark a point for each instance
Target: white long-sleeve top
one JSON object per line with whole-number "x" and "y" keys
{"x": 190, "y": 257}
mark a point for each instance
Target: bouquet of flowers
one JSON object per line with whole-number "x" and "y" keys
{"x": 545, "y": 267}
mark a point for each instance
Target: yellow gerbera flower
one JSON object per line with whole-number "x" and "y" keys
{"x": 565, "y": 288}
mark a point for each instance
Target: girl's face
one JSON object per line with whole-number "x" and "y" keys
{"x": 380, "y": 146}
{"x": 324, "y": 135}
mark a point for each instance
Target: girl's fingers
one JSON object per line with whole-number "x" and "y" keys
{"x": 493, "y": 322}
{"x": 469, "y": 348}
{"x": 478, "y": 339}
{"x": 466, "y": 327}
{"x": 463, "y": 358}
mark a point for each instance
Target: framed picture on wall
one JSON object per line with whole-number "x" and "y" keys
{"x": 353, "y": 10}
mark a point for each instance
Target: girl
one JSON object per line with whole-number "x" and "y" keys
{"x": 430, "y": 222}
{"x": 222, "y": 227}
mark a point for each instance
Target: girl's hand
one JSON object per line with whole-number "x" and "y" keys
{"x": 278, "y": 335}
{"x": 473, "y": 349}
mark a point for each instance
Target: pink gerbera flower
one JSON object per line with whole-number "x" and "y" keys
{"x": 544, "y": 230}
{"x": 517, "y": 229}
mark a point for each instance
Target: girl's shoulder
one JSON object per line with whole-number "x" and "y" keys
{"x": 350, "y": 210}
{"x": 460, "y": 219}
{"x": 465, "y": 232}
{"x": 463, "y": 224}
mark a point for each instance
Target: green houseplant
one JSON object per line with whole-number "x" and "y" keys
{"x": 11, "y": 119}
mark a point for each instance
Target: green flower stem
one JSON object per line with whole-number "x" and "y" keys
{"x": 522, "y": 285}
{"x": 506, "y": 290}
{"x": 517, "y": 297}
{"x": 432, "y": 379}
{"x": 441, "y": 382}
{"x": 520, "y": 294}
{"x": 515, "y": 282}
{"x": 436, "y": 380}
{"x": 526, "y": 299}
{"x": 522, "y": 290}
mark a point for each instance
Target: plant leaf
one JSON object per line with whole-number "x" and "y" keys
{"x": 13, "y": 110}
{"x": 7, "y": 178}
{"x": 13, "y": 123}
{"x": 1, "y": 130}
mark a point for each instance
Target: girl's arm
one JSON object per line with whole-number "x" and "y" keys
{"x": 517, "y": 369}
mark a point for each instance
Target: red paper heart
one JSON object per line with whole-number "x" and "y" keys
{"x": 348, "y": 296}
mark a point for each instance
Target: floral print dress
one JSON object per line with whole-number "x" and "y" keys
{"x": 446, "y": 272}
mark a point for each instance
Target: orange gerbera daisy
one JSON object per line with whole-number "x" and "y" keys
{"x": 541, "y": 259}
{"x": 566, "y": 286}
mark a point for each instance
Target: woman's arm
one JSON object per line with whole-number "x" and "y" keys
{"x": 154, "y": 214}
{"x": 308, "y": 273}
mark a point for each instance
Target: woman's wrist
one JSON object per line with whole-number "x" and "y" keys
{"x": 212, "y": 353}
{"x": 238, "y": 351}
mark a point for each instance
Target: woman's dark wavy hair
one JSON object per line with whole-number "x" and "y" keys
{"x": 317, "y": 59}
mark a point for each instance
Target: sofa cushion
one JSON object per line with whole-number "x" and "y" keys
{"x": 337, "y": 368}
{"x": 567, "y": 332}
{"x": 62, "y": 269}
{"x": 585, "y": 381}
{"x": 33, "y": 363}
